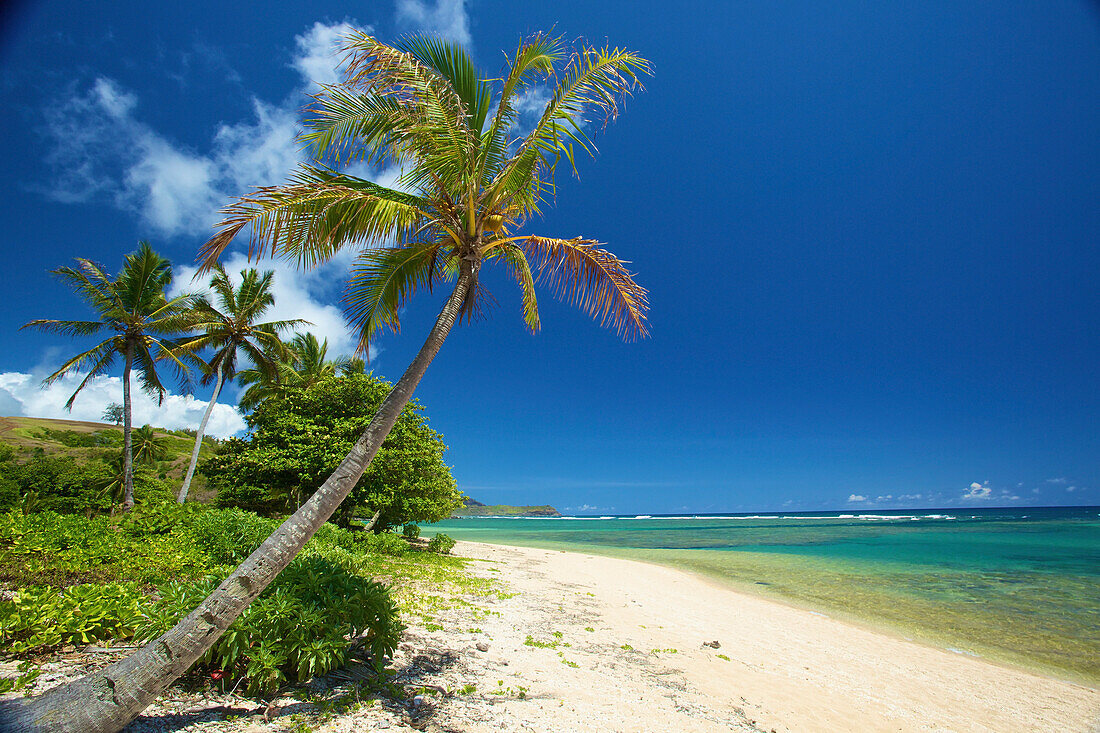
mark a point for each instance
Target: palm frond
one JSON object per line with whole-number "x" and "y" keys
{"x": 66, "y": 328}
{"x": 533, "y": 59}
{"x": 314, "y": 216}
{"x": 453, "y": 64}
{"x": 593, "y": 279}
{"x": 520, "y": 270}
{"x": 382, "y": 279}
{"x": 101, "y": 357}
{"x": 594, "y": 79}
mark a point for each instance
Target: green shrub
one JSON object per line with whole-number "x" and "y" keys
{"x": 330, "y": 534}
{"x": 442, "y": 544}
{"x": 75, "y": 439}
{"x": 47, "y": 548}
{"x": 386, "y": 543}
{"x": 296, "y": 629}
{"x": 40, "y": 618}
{"x": 410, "y": 531}
{"x": 228, "y": 536}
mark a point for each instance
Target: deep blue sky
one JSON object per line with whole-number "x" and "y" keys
{"x": 869, "y": 231}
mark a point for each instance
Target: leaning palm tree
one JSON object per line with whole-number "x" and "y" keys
{"x": 466, "y": 185}
{"x": 227, "y": 328}
{"x": 143, "y": 322}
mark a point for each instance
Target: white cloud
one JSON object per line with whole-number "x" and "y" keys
{"x": 447, "y": 18}
{"x": 114, "y": 101}
{"x": 101, "y": 147}
{"x": 259, "y": 152}
{"x": 173, "y": 190}
{"x": 23, "y": 394}
{"x": 909, "y": 497}
{"x": 319, "y": 55}
{"x": 1058, "y": 480}
{"x": 589, "y": 509}
{"x": 856, "y": 497}
{"x": 978, "y": 491}
{"x": 1071, "y": 488}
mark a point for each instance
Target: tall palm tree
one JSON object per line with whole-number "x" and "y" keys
{"x": 143, "y": 322}
{"x": 227, "y": 328}
{"x": 304, "y": 362}
{"x": 466, "y": 186}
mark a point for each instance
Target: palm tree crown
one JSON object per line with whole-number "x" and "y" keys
{"x": 466, "y": 183}
{"x": 143, "y": 323}
{"x": 302, "y": 362}
{"x": 231, "y": 327}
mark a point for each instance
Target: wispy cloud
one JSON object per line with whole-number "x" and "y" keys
{"x": 102, "y": 149}
{"x": 23, "y": 394}
{"x": 589, "y": 509}
{"x": 318, "y": 57}
{"x": 853, "y": 498}
{"x": 447, "y": 18}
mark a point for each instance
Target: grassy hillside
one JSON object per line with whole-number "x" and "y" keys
{"x": 89, "y": 440}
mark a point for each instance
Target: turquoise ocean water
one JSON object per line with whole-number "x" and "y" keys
{"x": 1014, "y": 585}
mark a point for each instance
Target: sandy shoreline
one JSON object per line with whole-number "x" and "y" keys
{"x": 570, "y": 642}
{"x": 788, "y": 669}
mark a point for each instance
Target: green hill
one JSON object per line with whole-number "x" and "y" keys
{"x": 85, "y": 441}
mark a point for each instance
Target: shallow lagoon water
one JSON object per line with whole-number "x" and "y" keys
{"x": 1014, "y": 585}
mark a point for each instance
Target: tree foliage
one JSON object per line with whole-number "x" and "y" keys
{"x": 65, "y": 485}
{"x": 298, "y": 438}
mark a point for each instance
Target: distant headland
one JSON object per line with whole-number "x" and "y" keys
{"x": 473, "y": 508}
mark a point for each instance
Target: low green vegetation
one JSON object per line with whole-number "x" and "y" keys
{"x": 77, "y": 580}
{"x": 76, "y": 468}
{"x": 441, "y": 544}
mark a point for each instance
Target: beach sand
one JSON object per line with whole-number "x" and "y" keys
{"x": 788, "y": 669}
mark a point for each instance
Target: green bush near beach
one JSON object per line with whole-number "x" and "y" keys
{"x": 297, "y": 438}
{"x": 102, "y": 580}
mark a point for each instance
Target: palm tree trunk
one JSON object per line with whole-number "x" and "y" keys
{"x": 369, "y": 526}
{"x": 127, "y": 438}
{"x": 198, "y": 438}
{"x": 108, "y": 700}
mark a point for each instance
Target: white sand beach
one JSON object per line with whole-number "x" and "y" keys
{"x": 788, "y": 669}
{"x": 571, "y": 642}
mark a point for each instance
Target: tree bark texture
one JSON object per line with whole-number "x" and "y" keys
{"x": 127, "y": 430}
{"x": 198, "y": 437}
{"x": 108, "y": 700}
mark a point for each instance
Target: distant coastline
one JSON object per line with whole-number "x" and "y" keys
{"x": 474, "y": 508}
